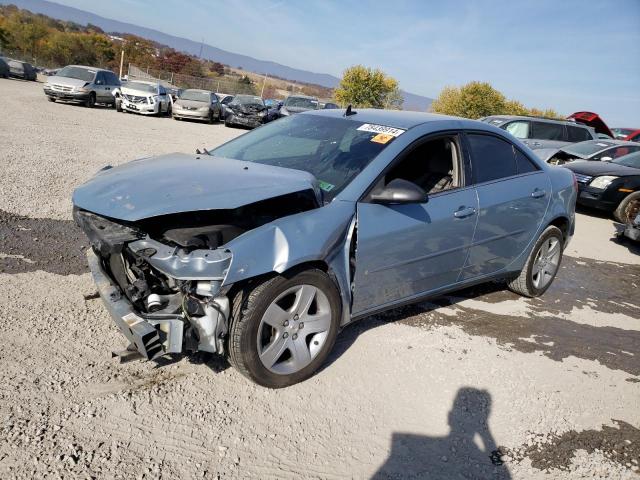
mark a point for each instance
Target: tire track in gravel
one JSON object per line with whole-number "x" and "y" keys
{"x": 30, "y": 244}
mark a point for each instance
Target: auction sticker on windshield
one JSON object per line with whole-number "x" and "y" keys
{"x": 370, "y": 127}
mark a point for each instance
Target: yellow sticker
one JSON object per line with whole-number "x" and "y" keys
{"x": 382, "y": 138}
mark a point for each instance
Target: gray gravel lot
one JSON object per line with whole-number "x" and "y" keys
{"x": 482, "y": 384}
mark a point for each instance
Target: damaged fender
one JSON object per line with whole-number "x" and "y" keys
{"x": 321, "y": 235}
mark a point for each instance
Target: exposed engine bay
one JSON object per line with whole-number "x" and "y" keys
{"x": 170, "y": 269}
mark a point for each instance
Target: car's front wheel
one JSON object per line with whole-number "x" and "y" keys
{"x": 620, "y": 211}
{"x": 91, "y": 101}
{"x": 283, "y": 329}
{"x": 541, "y": 266}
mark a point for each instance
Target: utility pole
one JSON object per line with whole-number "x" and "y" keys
{"x": 264, "y": 82}
{"x": 121, "y": 61}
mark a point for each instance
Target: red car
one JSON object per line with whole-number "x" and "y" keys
{"x": 633, "y": 136}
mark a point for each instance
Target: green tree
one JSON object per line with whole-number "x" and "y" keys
{"x": 5, "y": 39}
{"x": 473, "y": 100}
{"x": 479, "y": 99}
{"x": 365, "y": 87}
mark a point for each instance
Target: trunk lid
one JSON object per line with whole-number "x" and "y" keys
{"x": 178, "y": 183}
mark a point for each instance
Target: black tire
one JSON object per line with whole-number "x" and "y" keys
{"x": 51, "y": 99}
{"x": 227, "y": 123}
{"x": 620, "y": 213}
{"x": 177, "y": 118}
{"x": 523, "y": 284}
{"x": 169, "y": 110}
{"x": 118, "y": 104}
{"x": 91, "y": 101}
{"x": 249, "y": 306}
{"x": 210, "y": 119}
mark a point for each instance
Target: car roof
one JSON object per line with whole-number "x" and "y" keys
{"x": 398, "y": 118}
{"x": 88, "y": 68}
{"x": 146, "y": 82}
{"x": 541, "y": 119}
{"x": 197, "y": 90}
{"x": 302, "y": 96}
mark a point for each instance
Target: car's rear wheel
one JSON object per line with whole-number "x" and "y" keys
{"x": 541, "y": 266}
{"x": 620, "y": 212}
{"x": 91, "y": 101}
{"x": 284, "y": 328}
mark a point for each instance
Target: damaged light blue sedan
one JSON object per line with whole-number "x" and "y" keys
{"x": 265, "y": 247}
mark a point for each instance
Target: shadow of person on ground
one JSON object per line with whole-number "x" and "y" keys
{"x": 468, "y": 452}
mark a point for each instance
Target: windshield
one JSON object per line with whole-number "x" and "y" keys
{"x": 631, "y": 160}
{"x": 331, "y": 149}
{"x": 589, "y": 148}
{"x": 195, "y": 95}
{"x": 248, "y": 100}
{"x": 310, "y": 103}
{"x": 78, "y": 73}
{"x": 623, "y": 132}
{"x": 143, "y": 87}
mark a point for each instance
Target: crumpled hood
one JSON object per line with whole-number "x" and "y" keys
{"x": 66, "y": 81}
{"x": 178, "y": 183}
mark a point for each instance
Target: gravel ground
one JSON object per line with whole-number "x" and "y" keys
{"x": 483, "y": 384}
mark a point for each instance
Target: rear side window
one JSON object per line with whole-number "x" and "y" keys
{"x": 518, "y": 129}
{"x": 491, "y": 158}
{"x": 577, "y": 134}
{"x": 547, "y": 131}
{"x": 523, "y": 164}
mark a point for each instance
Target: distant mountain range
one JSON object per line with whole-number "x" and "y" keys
{"x": 62, "y": 12}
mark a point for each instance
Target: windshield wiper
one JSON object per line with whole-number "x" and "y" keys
{"x": 204, "y": 150}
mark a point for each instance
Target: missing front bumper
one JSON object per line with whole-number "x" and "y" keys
{"x": 151, "y": 337}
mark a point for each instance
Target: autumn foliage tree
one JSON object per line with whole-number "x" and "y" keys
{"x": 479, "y": 99}
{"x": 366, "y": 87}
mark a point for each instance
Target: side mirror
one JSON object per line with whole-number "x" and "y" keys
{"x": 399, "y": 191}
{"x": 606, "y": 159}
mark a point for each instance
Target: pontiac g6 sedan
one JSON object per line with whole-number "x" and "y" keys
{"x": 264, "y": 248}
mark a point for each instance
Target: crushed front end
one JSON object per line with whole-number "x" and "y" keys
{"x": 164, "y": 296}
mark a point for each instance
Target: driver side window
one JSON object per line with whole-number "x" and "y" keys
{"x": 433, "y": 165}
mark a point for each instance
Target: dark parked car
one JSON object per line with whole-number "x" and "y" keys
{"x": 264, "y": 250}
{"x": 22, "y": 70}
{"x": 605, "y": 150}
{"x": 4, "y": 68}
{"x": 608, "y": 186}
{"x": 245, "y": 110}
{"x": 273, "y": 109}
{"x": 330, "y": 106}
{"x": 543, "y": 132}
{"x": 86, "y": 85}
{"x": 297, "y": 104}
{"x": 225, "y": 100}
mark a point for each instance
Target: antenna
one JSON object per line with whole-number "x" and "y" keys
{"x": 349, "y": 112}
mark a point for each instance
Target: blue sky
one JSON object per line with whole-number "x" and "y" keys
{"x": 564, "y": 54}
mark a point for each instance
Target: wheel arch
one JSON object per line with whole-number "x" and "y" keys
{"x": 564, "y": 224}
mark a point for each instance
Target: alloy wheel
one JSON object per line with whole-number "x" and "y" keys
{"x": 546, "y": 262}
{"x": 293, "y": 329}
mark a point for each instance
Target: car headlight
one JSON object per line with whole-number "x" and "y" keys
{"x": 262, "y": 113}
{"x": 602, "y": 182}
{"x": 203, "y": 109}
{"x": 80, "y": 90}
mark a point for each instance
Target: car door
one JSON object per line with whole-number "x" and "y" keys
{"x": 102, "y": 89}
{"x": 215, "y": 105}
{"x": 406, "y": 250}
{"x": 513, "y": 196}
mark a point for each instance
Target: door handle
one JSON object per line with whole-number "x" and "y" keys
{"x": 537, "y": 193}
{"x": 464, "y": 212}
